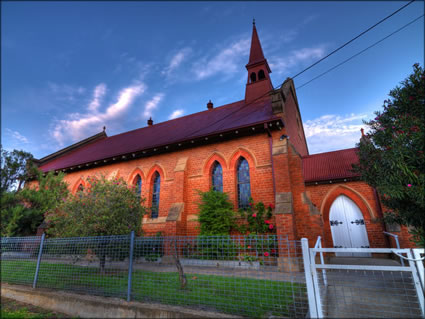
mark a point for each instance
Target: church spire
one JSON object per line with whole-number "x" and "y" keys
{"x": 256, "y": 53}
{"x": 258, "y": 82}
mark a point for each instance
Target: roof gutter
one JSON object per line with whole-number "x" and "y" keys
{"x": 332, "y": 180}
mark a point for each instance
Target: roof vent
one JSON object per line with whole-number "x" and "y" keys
{"x": 210, "y": 105}
{"x": 150, "y": 122}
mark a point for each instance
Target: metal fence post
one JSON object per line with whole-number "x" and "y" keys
{"x": 130, "y": 266}
{"x": 308, "y": 279}
{"x": 417, "y": 281}
{"x": 40, "y": 252}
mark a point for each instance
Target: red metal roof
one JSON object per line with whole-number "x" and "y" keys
{"x": 220, "y": 119}
{"x": 330, "y": 165}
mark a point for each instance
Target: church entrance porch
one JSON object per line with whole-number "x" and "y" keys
{"x": 347, "y": 226}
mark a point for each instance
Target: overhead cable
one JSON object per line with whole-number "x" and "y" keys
{"x": 345, "y": 44}
{"x": 358, "y": 53}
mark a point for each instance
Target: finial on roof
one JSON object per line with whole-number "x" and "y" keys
{"x": 210, "y": 105}
{"x": 150, "y": 122}
{"x": 104, "y": 128}
{"x": 253, "y": 21}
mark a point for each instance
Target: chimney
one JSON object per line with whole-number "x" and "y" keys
{"x": 210, "y": 105}
{"x": 150, "y": 122}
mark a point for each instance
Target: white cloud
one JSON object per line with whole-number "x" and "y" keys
{"x": 177, "y": 113}
{"x": 152, "y": 104}
{"x": 226, "y": 61}
{"x": 333, "y": 132}
{"x": 176, "y": 60}
{"x": 65, "y": 92}
{"x": 78, "y": 126}
{"x": 289, "y": 36}
{"x": 282, "y": 65}
{"x": 16, "y": 136}
{"x": 98, "y": 93}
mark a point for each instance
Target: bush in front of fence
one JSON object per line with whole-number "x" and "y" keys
{"x": 103, "y": 207}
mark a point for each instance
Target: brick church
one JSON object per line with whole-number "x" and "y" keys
{"x": 255, "y": 147}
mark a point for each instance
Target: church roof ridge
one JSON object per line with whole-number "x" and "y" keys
{"x": 180, "y": 117}
{"x": 225, "y": 118}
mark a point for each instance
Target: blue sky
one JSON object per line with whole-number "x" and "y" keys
{"x": 69, "y": 68}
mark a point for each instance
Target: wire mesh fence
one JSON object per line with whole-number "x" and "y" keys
{"x": 369, "y": 294}
{"x": 253, "y": 276}
{"x": 376, "y": 287}
{"x": 19, "y": 256}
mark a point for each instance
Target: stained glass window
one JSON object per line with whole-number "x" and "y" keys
{"x": 217, "y": 177}
{"x": 244, "y": 185}
{"x": 155, "y": 194}
{"x": 138, "y": 184}
{"x": 80, "y": 190}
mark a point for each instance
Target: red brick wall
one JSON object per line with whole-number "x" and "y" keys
{"x": 177, "y": 187}
{"x": 182, "y": 186}
{"x": 293, "y": 125}
{"x": 323, "y": 196}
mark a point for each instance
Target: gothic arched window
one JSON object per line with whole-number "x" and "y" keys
{"x": 261, "y": 75}
{"x": 155, "y": 194}
{"x": 217, "y": 177}
{"x": 80, "y": 190}
{"x": 253, "y": 77}
{"x": 244, "y": 184}
{"x": 138, "y": 183}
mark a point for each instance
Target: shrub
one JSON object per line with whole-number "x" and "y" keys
{"x": 216, "y": 214}
{"x": 258, "y": 218}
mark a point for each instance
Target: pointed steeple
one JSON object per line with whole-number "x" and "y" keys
{"x": 256, "y": 53}
{"x": 258, "y": 83}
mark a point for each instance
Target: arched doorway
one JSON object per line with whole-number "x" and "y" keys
{"x": 347, "y": 226}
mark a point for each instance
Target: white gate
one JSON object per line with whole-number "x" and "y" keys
{"x": 347, "y": 226}
{"x": 364, "y": 291}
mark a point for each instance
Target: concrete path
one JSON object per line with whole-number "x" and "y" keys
{"x": 366, "y": 294}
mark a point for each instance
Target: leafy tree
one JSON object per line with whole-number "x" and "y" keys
{"x": 47, "y": 195}
{"x": 15, "y": 169}
{"x": 22, "y": 212}
{"x": 392, "y": 154}
{"x": 216, "y": 215}
{"x": 104, "y": 207}
{"x": 22, "y": 209}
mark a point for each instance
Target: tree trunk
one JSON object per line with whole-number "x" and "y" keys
{"x": 102, "y": 262}
{"x": 182, "y": 276}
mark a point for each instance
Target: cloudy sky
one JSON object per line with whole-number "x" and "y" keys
{"x": 69, "y": 68}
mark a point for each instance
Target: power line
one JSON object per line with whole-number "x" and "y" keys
{"x": 345, "y": 44}
{"x": 276, "y": 87}
{"x": 358, "y": 53}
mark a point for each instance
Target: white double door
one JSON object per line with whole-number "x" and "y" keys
{"x": 347, "y": 226}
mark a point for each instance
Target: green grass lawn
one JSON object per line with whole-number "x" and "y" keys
{"x": 12, "y": 309}
{"x": 245, "y": 296}
{"x": 20, "y": 314}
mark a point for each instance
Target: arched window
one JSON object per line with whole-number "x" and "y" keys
{"x": 217, "y": 177}
{"x": 138, "y": 183}
{"x": 244, "y": 184}
{"x": 80, "y": 190}
{"x": 253, "y": 77}
{"x": 261, "y": 75}
{"x": 155, "y": 194}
